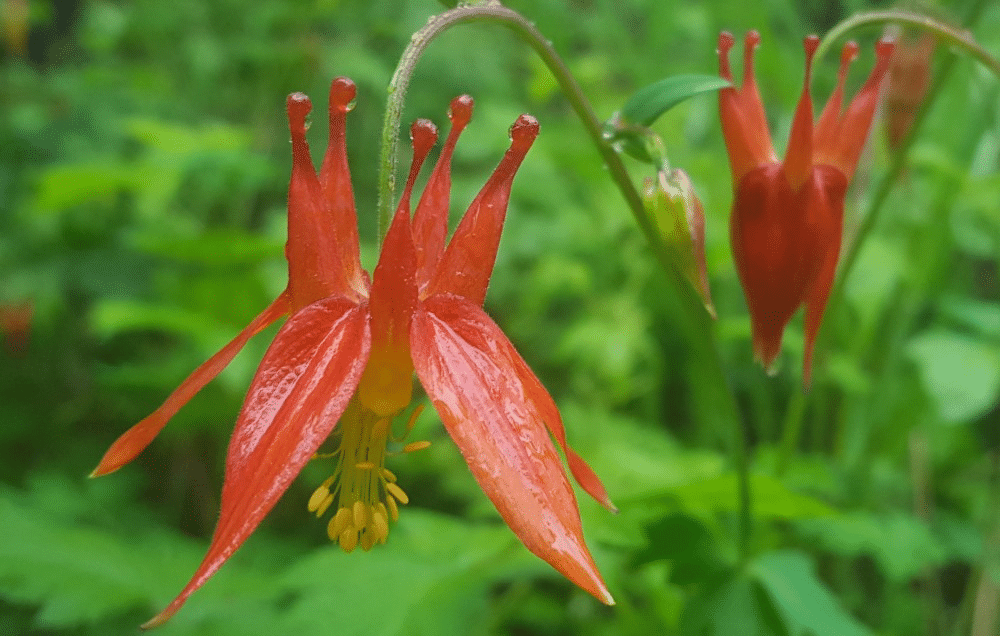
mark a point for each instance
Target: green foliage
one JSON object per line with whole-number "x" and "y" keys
{"x": 144, "y": 161}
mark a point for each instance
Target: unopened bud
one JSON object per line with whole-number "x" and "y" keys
{"x": 674, "y": 208}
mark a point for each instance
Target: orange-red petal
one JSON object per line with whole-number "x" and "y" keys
{"x": 302, "y": 387}
{"x": 335, "y": 182}
{"x": 494, "y": 414}
{"x": 134, "y": 440}
{"x": 430, "y": 221}
{"x": 387, "y": 383}
{"x": 744, "y": 125}
{"x": 316, "y": 262}
{"x": 467, "y": 264}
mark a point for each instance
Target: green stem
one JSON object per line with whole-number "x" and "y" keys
{"x": 951, "y": 36}
{"x": 528, "y": 33}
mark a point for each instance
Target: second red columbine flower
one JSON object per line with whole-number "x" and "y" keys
{"x": 787, "y": 215}
{"x": 347, "y": 354}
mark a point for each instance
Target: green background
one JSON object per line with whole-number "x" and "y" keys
{"x": 144, "y": 160}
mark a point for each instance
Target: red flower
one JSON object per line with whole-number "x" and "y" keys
{"x": 348, "y": 352}
{"x": 787, "y": 216}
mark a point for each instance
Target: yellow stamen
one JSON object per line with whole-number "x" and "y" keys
{"x": 338, "y": 523}
{"x": 319, "y": 496}
{"x": 416, "y": 446}
{"x": 397, "y": 492}
{"x": 364, "y": 490}
{"x": 367, "y": 540}
{"x": 348, "y": 539}
{"x": 360, "y": 514}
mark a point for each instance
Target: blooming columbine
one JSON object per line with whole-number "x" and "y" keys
{"x": 348, "y": 352}
{"x": 787, "y": 216}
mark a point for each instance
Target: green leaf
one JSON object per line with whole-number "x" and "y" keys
{"x": 807, "y": 606}
{"x": 772, "y": 500}
{"x": 961, "y": 374}
{"x": 732, "y": 604}
{"x": 901, "y": 544}
{"x": 648, "y": 103}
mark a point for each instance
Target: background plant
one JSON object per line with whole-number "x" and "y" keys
{"x": 144, "y": 166}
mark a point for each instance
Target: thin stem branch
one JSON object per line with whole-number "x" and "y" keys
{"x": 528, "y": 33}
{"x": 950, "y": 35}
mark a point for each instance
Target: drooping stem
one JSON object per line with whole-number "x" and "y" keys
{"x": 950, "y": 35}
{"x": 493, "y": 12}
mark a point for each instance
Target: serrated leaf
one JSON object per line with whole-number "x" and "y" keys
{"x": 649, "y": 102}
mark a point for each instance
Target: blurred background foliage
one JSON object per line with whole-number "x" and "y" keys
{"x": 143, "y": 164}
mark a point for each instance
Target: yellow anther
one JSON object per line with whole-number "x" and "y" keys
{"x": 397, "y": 492}
{"x": 388, "y": 475}
{"x": 413, "y": 418}
{"x": 416, "y": 446}
{"x": 324, "y": 505}
{"x": 319, "y": 496}
{"x": 364, "y": 466}
{"x": 338, "y": 523}
{"x": 390, "y": 503}
{"x": 380, "y": 525}
{"x": 367, "y": 540}
{"x": 360, "y": 515}
{"x": 348, "y": 539}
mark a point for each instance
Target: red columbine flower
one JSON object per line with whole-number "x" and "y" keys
{"x": 348, "y": 352}
{"x": 787, "y": 216}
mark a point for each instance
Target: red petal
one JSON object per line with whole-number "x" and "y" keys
{"x": 467, "y": 264}
{"x": 317, "y": 261}
{"x": 831, "y": 186}
{"x": 781, "y": 239}
{"x": 494, "y": 409}
{"x": 302, "y": 386}
{"x": 744, "y": 125}
{"x": 799, "y": 156}
{"x": 828, "y": 126}
{"x": 335, "y": 181}
{"x": 387, "y": 384}
{"x": 137, "y": 438}
{"x": 845, "y": 149}
{"x": 430, "y": 221}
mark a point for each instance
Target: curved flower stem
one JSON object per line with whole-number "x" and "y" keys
{"x": 948, "y": 34}
{"x": 526, "y": 31}
{"x": 716, "y": 394}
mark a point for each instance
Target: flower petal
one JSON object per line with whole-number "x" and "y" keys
{"x": 467, "y": 263}
{"x": 136, "y": 439}
{"x": 830, "y": 187}
{"x": 387, "y": 384}
{"x": 744, "y": 125}
{"x": 335, "y": 181}
{"x": 496, "y": 411}
{"x": 302, "y": 386}
{"x": 315, "y": 251}
{"x": 430, "y": 221}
